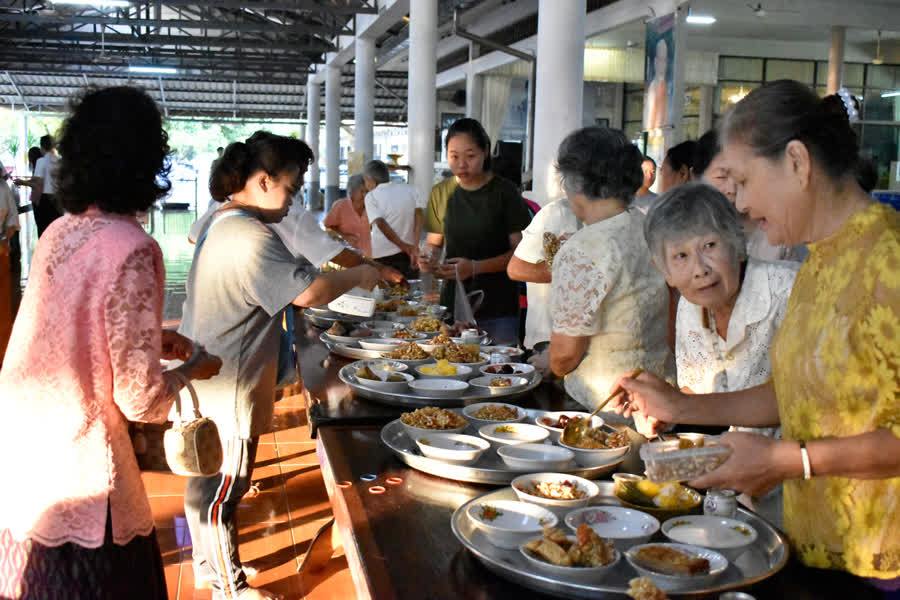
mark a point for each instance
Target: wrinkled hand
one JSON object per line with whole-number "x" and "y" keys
{"x": 369, "y": 276}
{"x": 456, "y": 268}
{"x": 649, "y": 395}
{"x": 203, "y": 365}
{"x": 756, "y": 465}
{"x": 390, "y": 274}
{"x": 541, "y": 362}
{"x": 175, "y": 346}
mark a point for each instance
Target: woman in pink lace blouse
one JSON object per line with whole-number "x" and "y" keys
{"x": 84, "y": 357}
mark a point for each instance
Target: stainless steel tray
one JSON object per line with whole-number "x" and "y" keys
{"x": 326, "y": 318}
{"x": 767, "y": 555}
{"x": 489, "y": 469}
{"x": 409, "y": 399}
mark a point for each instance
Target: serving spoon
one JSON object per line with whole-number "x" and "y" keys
{"x": 576, "y": 428}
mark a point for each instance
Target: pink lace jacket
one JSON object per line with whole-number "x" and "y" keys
{"x": 83, "y": 357}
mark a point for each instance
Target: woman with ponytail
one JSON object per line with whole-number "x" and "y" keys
{"x": 835, "y": 387}
{"x": 241, "y": 280}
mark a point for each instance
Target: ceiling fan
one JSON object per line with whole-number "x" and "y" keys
{"x": 761, "y": 12}
{"x": 103, "y": 58}
{"x": 878, "y": 60}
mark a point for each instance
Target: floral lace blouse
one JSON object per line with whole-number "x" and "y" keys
{"x": 604, "y": 286}
{"x": 835, "y": 364}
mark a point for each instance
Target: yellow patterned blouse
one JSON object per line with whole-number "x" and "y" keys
{"x": 835, "y": 365}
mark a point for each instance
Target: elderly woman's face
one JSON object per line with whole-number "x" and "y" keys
{"x": 703, "y": 269}
{"x": 716, "y": 175}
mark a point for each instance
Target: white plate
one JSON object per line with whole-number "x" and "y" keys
{"x": 519, "y": 370}
{"x": 502, "y": 434}
{"x": 513, "y": 523}
{"x": 470, "y": 410}
{"x": 381, "y": 326}
{"x": 579, "y": 574}
{"x": 439, "y": 388}
{"x": 727, "y": 536}
{"x": 389, "y": 335}
{"x": 454, "y": 448}
{"x": 535, "y": 457}
{"x": 588, "y": 457}
{"x": 393, "y": 387}
{"x": 462, "y": 373}
{"x": 717, "y": 565}
{"x": 340, "y": 339}
{"x": 483, "y": 384}
{"x": 558, "y": 507}
{"x": 556, "y": 432}
{"x": 415, "y": 433}
{"x": 513, "y": 353}
{"x": 380, "y": 344}
{"x": 624, "y": 526}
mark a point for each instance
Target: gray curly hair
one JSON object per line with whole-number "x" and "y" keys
{"x": 691, "y": 209}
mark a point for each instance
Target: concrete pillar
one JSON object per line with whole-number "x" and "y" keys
{"x": 707, "y": 97}
{"x": 560, "y": 74}
{"x": 422, "y": 93}
{"x": 364, "y": 98}
{"x": 474, "y": 87}
{"x": 617, "y": 120}
{"x": 675, "y": 134}
{"x": 332, "y": 135}
{"x": 313, "y": 118}
{"x": 836, "y": 59}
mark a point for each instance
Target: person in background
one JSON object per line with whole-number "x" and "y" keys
{"x": 241, "y": 280}
{"x": 609, "y": 305}
{"x": 710, "y": 167}
{"x": 396, "y": 218}
{"x": 676, "y": 167}
{"x": 43, "y": 186}
{"x": 84, "y": 358}
{"x": 836, "y": 357}
{"x": 9, "y": 231}
{"x": 348, "y": 216}
{"x": 479, "y": 217}
{"x": 643, "y": 198}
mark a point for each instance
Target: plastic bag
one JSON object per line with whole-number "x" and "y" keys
{"x": 466, "y": 303}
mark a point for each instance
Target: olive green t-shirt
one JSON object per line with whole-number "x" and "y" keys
{"x": 476, "y": 225}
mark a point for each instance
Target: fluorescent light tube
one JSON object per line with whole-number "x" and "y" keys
{"x": 96, "y": 3}
{"x": 891, "y": 94}
{"x": 700, "y": 19}
{"x": 151, "y": 69}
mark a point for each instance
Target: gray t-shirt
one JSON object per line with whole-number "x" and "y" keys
{"x": 241, "y": 279}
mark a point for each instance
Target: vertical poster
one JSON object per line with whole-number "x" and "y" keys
{"x": 660, "y": 72}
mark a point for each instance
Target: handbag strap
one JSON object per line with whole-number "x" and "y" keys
{"x": 187, "y": 383}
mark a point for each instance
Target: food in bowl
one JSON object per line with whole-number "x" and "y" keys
{"x": 496, "y": 412}
{"x": 405, "y": 334}
{"x": 432, "y": 417}
{"x": 408, "y": 311}
{"x": 501, "y": 382}
{"x": 361, "y": 332}
{"x": 667, "y": 461}
{"x": 367, "y": 373}
{"x": 588, "y": 549}
{"x": 442, "y": 338}
{"x": 408, "y": 351}
{"x": 458, "y": 353}
{"x": 670, "y": 561}
{"x": 399, "y": 289}
{"x": 500, "y": 369}
{"x": 442, "y": 367}
{"x": 425, "y": 325}
{"x": 338, "y": 328}
{"x": 643, "y": 492}
{"x": 390, "y": 305}
{"x": 554, "y": 490}
{"x": 595, "y": 438}
{"x": 558, "y": 423}
{"x": 643, "y": 588}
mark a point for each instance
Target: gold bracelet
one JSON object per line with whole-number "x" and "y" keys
{"x": 804, "y": 457}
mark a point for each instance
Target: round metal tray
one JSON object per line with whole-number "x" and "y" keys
{"x": 489, "y": 469}
{"x": 326, "y": 318}
{"x": 411, "y": 400}
{"x": 765, "y": 557}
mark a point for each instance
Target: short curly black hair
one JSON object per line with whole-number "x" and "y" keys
{"x": 600, "y": 163}
{"x": 114, "y": 153}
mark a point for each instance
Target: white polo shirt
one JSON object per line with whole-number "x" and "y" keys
{"x": 45, "y": 168}
{"x": 396, "y": 203}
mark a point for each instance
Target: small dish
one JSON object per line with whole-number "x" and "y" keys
{"x": 535, "y": 457}
{"x": 483, "y": 385}
{"x": 591, "y": 457}
{"x": 729, "y": 537}
{"x": 577, "y": 574}
{"x": 453, "y": 448}
{"x": 626, "y": 527}
{"x": 390, "y": 387}
{"x": 383, "y": 345}
{"x": 438, "y": 388}
{"x": 547, "y": 420}
{"x": 671, "y": 583}
{"x": 462, "y": 373}
{"x": 412, "y": 362}
{"x": 477, "y": 422}
{"x": 522, "y": 486}
{"x": 415, "y": 433}
{"x": 339, "y": 339}
{"x": 509, "y": 524}
{"x": 381, "y": 326}
{"x": 389, "y": 335}
{"x": 623, "y": 491}
{"x": 513, "y": 354}
{"x": 504, "y": 434}
{"x": 518, "y": 369}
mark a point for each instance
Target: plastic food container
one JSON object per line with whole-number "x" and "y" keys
{"x": 666, "y": 462}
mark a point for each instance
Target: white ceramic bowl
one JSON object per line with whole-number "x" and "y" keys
{"x": 514, "y": 523}
{"x": 535, "y": 457}
{"x": 624, "y": 526}
{"x": 340, "y": 339}
{"x": 470, "y": 410}
{"x": 382, "y": 345}
{"x": 389, "y": 335}
{"x": 522, "y": 483}
{"x": 438, "y": 388}
{"x": 483, "y": 385}
{"x": 587, "y": 457}
{"x": 381, "y": 326}
{"x": 729, "y": 537}
{"x": 553, "y": 417}
{"x": 382, "y": 365}
{"x": 503, "y": 434}
{"x": 391, "y": 387}
{"x": 485, "y": 359}
{"x": 454, "y": 448}
{"x": 462, "y": 373}
{"x": 519, "y": 370}
{"x": 409, "y": 362}
{"x": 671, "y": 583}
{"x": 576, "y": 574}
{"x": 513, "y": 354}
{"x": 415, "y": 433}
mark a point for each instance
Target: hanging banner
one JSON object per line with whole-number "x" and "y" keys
{"x": 660, "y": 72}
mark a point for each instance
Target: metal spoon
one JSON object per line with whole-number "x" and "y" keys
{"x": 576, "y": 428}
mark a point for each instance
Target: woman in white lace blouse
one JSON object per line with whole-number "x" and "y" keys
{"x": 610, "y": 306}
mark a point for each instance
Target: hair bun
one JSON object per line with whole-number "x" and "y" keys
{"x": 841, "y": 105}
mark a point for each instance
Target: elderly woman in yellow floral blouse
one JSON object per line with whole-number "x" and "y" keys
{"x": 835, "y": 388}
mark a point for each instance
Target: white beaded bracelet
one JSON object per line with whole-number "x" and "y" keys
{"x": 804, "y": 456}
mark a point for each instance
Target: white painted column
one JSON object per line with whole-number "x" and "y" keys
{"x": 332, "y": 135}
{"x": 474, "y": 87}
{"x": 422, "y": 93}
{"x": 364, "y": 97}
{"x": 675, "y": 134}
{"x": 707, "y": 97}
{"x": 618, "y": 106}
{"x": 559, "y": 85}
{"x": 836, "y": 59}
{"x": 313, "y": 117}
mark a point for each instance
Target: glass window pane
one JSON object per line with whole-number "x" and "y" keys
{"x": 634, "y": 106}
{"x": 731, "y": 93}
{"x": 876, "y": 108}
{"x": 853, "y": 74}
{"x": 798, "y": 70}
{"x": 731, "y": 67}
{"x": 692, "y": 102}
{"x": 690, "y": 128}
{"x": 880, "y": 144}
{"x": 883, "y": 77}
{"x": 633, "y": 129}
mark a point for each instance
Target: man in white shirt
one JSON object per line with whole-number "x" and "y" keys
{"x": 396, "y": 218}
{"x": 644, "y": 198}
{"x": 43, "y": 186}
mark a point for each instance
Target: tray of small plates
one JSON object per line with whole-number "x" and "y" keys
{"x": 323, "y": 317}
{"x": 489, "y": 468}
{"x": 763, "y": 558}
{"x": 412, "y": 399}
{"x": 349, "y": 346}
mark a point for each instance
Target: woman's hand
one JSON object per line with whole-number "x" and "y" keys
{"x": 456, "y": 268}
{"x": 175, "y": 346}
{"x": 390, "y": 274}
{"x": 368, "y": 275}
{"x": 756, "y": 465}
{"x": 202, "y": 365}
{"x": 650, "y": 395}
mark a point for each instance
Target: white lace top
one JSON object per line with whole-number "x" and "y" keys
{"x": 707, "y": 363}
{"x": 604, "y": 286}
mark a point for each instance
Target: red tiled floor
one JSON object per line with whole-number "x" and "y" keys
{"x": 277, "y": 524}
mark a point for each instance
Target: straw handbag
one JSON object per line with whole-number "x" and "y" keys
{"x": 193, "y": 447}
